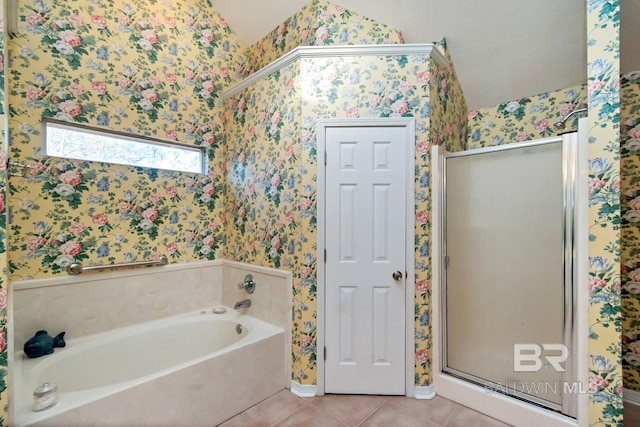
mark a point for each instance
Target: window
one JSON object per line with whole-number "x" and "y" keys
{"x": 72, "y": 141}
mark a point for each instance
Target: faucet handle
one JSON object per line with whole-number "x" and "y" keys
{"x": 248, "y": 284}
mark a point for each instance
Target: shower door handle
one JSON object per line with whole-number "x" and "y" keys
{"x": 397, "y": 275}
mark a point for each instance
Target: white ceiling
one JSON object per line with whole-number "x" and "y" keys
{"x": 502, "y": 49}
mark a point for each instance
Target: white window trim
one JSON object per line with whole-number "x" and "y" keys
{"x": 134, "y": 138}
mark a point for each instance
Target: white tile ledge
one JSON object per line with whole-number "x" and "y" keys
{"x": 66, "y": 279}
{"x": 257, "y": 269}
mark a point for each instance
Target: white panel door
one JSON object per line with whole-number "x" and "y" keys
{"x": 365, "y": 242}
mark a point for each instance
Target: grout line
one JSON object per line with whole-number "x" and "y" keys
{"x": 273, "y": 395}
{"x": 285, "y": 417}
{"x": 304, "y": 405}
{"x": 453, "y": 413}
{"x": 384, "y": 401}
{"x": 328, "y": 415}
{"x": 251, "y": 423}
{"x": 246, "y": 421}
{"x": 429, "y": 422}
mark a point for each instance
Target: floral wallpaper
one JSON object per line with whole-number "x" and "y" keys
{"x": 319, "y": 23}
{"x": 271, "y": 196}
{"x": 603, "y": 86}
{"x": 449, "y": 112}
{"x": 524, "y": 119}
{"x": 630, "y": 227}
{"x": 272, "y": 178}
{"x": 139, "y": 67}
{"x": 4, "y": 282}
{"x": 158, "y": 68}
{"x": 398, "y": 86}
{"x": 533, "y": 117}
{"x": 366, "y": 87}
{"x": 4, "y": 294}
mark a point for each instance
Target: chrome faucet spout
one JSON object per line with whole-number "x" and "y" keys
{"x": 242, "y": 304}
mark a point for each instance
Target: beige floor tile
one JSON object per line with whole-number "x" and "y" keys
{"x": 276, "y": 408}
{"x": 350, "y": 410}
{"x": 390, "y": 415}
{"x": 465, "y": 417}
{"x": 631, "y": 415}
{"x": 437, "y": 410}
{"x": 309, "y": 416}
{"x": 237, "y": 421}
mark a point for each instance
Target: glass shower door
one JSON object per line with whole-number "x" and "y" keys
{"x": 507, "y": 293}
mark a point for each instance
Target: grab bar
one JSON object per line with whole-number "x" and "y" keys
{"x": 75, "y": 268}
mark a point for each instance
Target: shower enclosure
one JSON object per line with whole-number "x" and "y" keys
{"x": 507, "y": 299}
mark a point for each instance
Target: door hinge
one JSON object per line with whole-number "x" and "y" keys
{"x": 325, "y": 353}
{"x": 325, "y": 255}
{"x": 325, "y": 157}
{"x": 446, "y": 262}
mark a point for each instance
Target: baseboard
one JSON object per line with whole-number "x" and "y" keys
{"x": 421, "y": 393}
{"x": 301, "y": 390}
{"x": 425, "y": 392}
{"x": 631, "y": 396}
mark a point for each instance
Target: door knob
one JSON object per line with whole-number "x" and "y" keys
{"x": 397, "y": 275}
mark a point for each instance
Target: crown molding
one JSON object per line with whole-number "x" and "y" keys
{"x": 303, "y": 52}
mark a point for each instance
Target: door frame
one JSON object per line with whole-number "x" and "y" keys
{"x": 501, "y": 407}
{"x": 409, "y": 125}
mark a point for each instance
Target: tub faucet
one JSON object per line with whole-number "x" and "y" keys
{"x": 242, "y": 304}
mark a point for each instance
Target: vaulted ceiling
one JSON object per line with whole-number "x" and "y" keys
{"x": 502, "y": 49}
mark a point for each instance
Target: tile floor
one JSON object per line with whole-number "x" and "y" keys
{"x": 286, "y": 409}
{"x": 631, "y": 415}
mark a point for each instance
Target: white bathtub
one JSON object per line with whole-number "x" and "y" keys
{"x": 187, "y": 370}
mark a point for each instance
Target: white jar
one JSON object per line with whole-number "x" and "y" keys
{"x": 45, "y": 397}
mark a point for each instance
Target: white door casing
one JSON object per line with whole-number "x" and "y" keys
{"x": 365, "y": 240}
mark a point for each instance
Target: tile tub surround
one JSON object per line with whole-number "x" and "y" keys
{"x": 199, "y": 395}
{"x": 95, "y": 302}
{"x": 271, "y": 301}
{"x": 91, "y": 303}
{"x": 272, "y": 288}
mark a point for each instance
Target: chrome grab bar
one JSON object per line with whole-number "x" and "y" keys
{"x": 75, "y": 268}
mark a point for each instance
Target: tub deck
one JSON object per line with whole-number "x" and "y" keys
{"x": 201, "y": 386}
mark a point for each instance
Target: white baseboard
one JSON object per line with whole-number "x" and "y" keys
{"x": 425, "y": 392}
{"x": 631, "y": 396}
{"x": 301, "y": 390}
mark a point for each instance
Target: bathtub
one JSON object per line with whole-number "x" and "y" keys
{"x": 196, "y": 369}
